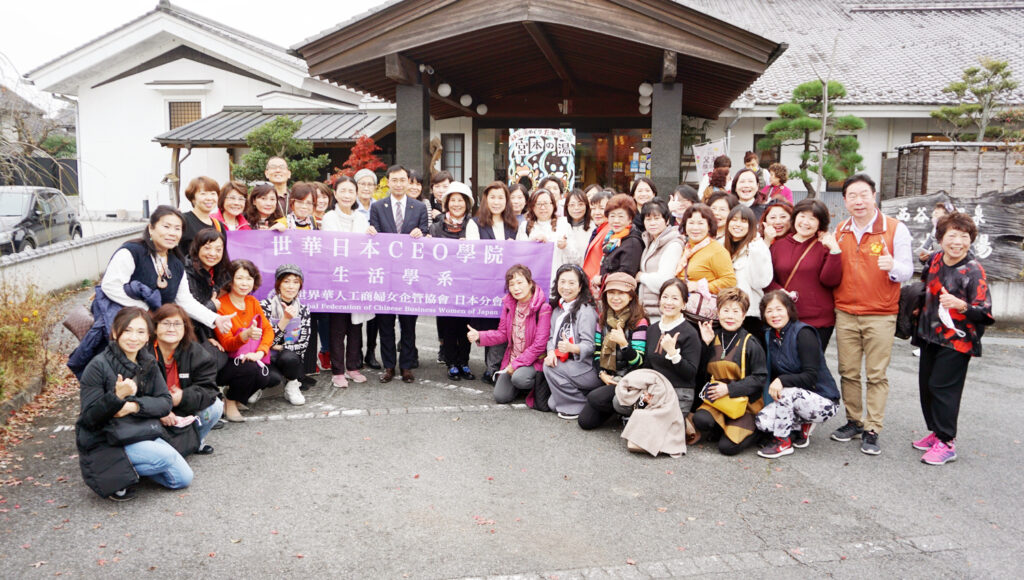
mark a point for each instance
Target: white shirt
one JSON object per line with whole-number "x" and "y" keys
{"x": 336, "y": 221}
{"x": 473, "y": 230}
{"x": 902, "y": 251}
{"x": 754, "y": 272}
{"x": 119, "y": 272}
{"x": 577, "y": 240}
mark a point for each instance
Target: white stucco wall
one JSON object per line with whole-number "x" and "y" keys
{"x": 120, "y": 163}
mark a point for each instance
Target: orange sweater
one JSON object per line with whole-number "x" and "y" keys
{"x": 713, "y": 264}
{"x": 242, "y": 320}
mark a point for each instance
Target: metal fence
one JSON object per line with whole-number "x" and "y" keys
{"x": 59, "y": 174}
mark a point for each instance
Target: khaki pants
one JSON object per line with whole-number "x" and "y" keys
{"x": 865, "y": 339}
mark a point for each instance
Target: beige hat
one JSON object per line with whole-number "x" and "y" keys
{"x": 459, "y": 187}
{"x": 620, "y": 281}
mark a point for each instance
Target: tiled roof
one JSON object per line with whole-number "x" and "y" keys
{"x": 893, "y": 52}
{"x": 230, "y": 126}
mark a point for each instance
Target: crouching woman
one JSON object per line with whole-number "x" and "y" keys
{"x": 123, "y": 397}
{"x": 524, "y": 328}
{"x": 190, "y": 371}
{"x": 802, "y": 388}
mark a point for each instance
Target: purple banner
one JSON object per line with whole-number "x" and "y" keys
{"x": 391, "y": 273}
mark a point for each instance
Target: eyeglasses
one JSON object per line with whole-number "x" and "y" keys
{"x": 172, "y": 324}
{"x": 277, "y": 168}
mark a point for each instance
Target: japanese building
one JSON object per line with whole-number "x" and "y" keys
{"x": 621, "y": 74}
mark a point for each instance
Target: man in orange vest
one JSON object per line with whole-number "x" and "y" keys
{"x": 876, "y": 258}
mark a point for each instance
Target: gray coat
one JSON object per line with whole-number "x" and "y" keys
{"x": 571, "y": 380}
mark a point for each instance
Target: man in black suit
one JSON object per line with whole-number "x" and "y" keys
{"x": 398, "y": 214}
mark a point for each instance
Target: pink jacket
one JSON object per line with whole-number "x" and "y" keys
{"x": 538, "y": 327}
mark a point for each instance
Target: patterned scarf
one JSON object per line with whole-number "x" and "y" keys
{"x": 688, "y": 253}
{"x": 294, "y": 223}
{"x": 453, "y": 225}
{"x": 612, "y": 320}
{"x": 613, "y": 240}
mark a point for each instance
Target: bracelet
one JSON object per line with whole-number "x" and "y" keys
{"x": 836, "y": 253}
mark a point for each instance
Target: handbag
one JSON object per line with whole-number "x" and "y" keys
{"x": 701, "y": 308}
{"x": 731, "y": 407}
{"x": 121, "y": 431}
{"x": 78, "y": 321}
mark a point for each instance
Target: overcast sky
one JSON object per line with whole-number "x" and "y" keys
{"x": 36, "y": 31}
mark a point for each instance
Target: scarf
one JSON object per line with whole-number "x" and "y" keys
{"x": 277, "y": 306}
{"x": 688, "y": 253}
{"x": 612, "y": 320}
{"x": 592, "y": 258}
{"x": 453, "y": 225}
{"x": 613, "y": 240}
{"x": 295, "y": 224}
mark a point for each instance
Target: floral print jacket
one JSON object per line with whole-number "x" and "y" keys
{"x": 966, "y": 281}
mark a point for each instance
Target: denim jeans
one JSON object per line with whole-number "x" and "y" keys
{"x": 208, "y": 418}
{"x": 159, "y": 461}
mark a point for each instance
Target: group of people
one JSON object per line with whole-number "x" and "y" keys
{"x": 681, "y": 318}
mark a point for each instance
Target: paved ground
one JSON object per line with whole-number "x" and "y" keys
{"x": 433, "y": 480}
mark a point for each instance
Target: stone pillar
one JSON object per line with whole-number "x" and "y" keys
{"x": 412, "y": 126}
{"x": 666, "y": 136}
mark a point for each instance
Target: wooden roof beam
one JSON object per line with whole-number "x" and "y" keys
{"x": 669, "y": 67}
{"x": 551, "y": 55}
{"x": 401, "y": 69}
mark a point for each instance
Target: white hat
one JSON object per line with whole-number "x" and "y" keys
{"x": 459, "y": 187}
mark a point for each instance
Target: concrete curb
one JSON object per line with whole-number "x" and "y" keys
{"x": 22, "y": 398}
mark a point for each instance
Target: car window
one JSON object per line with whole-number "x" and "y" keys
{"x": 14, "y": 203}
{"x": 42, "y": 206}
{"x": 56, "y": 200}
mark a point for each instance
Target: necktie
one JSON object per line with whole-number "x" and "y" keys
{"x": 399, "y": 217}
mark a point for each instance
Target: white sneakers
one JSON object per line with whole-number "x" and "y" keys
{"x": 292, "y": 393}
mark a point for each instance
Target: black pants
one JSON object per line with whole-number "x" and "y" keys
{"x": 705, "y": 423}
{"x": 941, "y": 380}
{"x": 598, "y": 408}
{"x": 386, "y": 326}
{"x": 346, "y": 343}
{"x": 371, "y": 336}
{"x": 454, "y": 344}
{"x": 286, "y": 364}
{"x": 245, "y": 379}
{"x": 825, "y": 335}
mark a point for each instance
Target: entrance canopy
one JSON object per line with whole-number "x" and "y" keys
{"x": 541, "y": 59}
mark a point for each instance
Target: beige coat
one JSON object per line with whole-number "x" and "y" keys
{"x": 658, "y": 427}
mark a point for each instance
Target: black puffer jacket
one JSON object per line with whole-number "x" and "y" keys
{"x": 106, "y": 468}
{"x": 197, "y": 373}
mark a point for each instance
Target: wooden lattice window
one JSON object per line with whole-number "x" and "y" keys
{"x": 453, "y": 146}
{"x": 184, "y": 112}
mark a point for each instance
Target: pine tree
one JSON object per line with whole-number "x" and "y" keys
{"x": 277, "y": 139}
{"x": 800, "y": 123}
{"x": 979, "y": 92}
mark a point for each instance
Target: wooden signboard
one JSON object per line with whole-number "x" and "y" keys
{"x": 998, "y": 215}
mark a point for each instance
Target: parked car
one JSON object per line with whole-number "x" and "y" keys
{"x": 32, "y": 217}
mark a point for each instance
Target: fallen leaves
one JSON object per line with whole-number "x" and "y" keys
{"x": 631, "y": 561}
{"x": 38, "y": 564}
